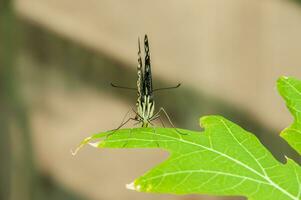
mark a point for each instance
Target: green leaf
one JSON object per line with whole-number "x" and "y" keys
{"x": 290, "y": 90}
{"x": 222, "y": 160}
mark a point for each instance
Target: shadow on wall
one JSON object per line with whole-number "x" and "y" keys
{"x": 19, "y": 178}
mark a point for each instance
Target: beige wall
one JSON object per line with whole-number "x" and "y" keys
{"x": 234, "y": 49}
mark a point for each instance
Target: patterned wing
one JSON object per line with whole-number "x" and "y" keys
{"x": 139, "y": 73}
{"x": 147, "y": 81}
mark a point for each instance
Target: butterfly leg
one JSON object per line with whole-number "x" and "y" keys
{"x": 137, "y": 122}
{"x": 120, "y": 126}
{"x": 122, "y": 122}
{"x": 157, "y": 115}
{"x": 161, "y": 121}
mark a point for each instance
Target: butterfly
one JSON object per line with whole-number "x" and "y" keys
{"x": 145, "y": 105}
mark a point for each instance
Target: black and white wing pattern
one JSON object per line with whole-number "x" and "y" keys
{"x": 147, "y": 82}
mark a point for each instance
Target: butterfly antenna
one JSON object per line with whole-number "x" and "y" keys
{"x": 122, "y": 87}
{"x": 168, "y": 88}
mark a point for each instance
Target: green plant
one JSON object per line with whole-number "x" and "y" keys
{"x": 224, "y": 159}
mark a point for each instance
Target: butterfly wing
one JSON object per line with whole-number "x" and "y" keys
{"x": 145, "y": 102}
{"x": 147, "y": 79}
{"x": 139, "y": 73}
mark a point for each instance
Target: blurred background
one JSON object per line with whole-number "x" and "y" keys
{"x": 58, "y": 57}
